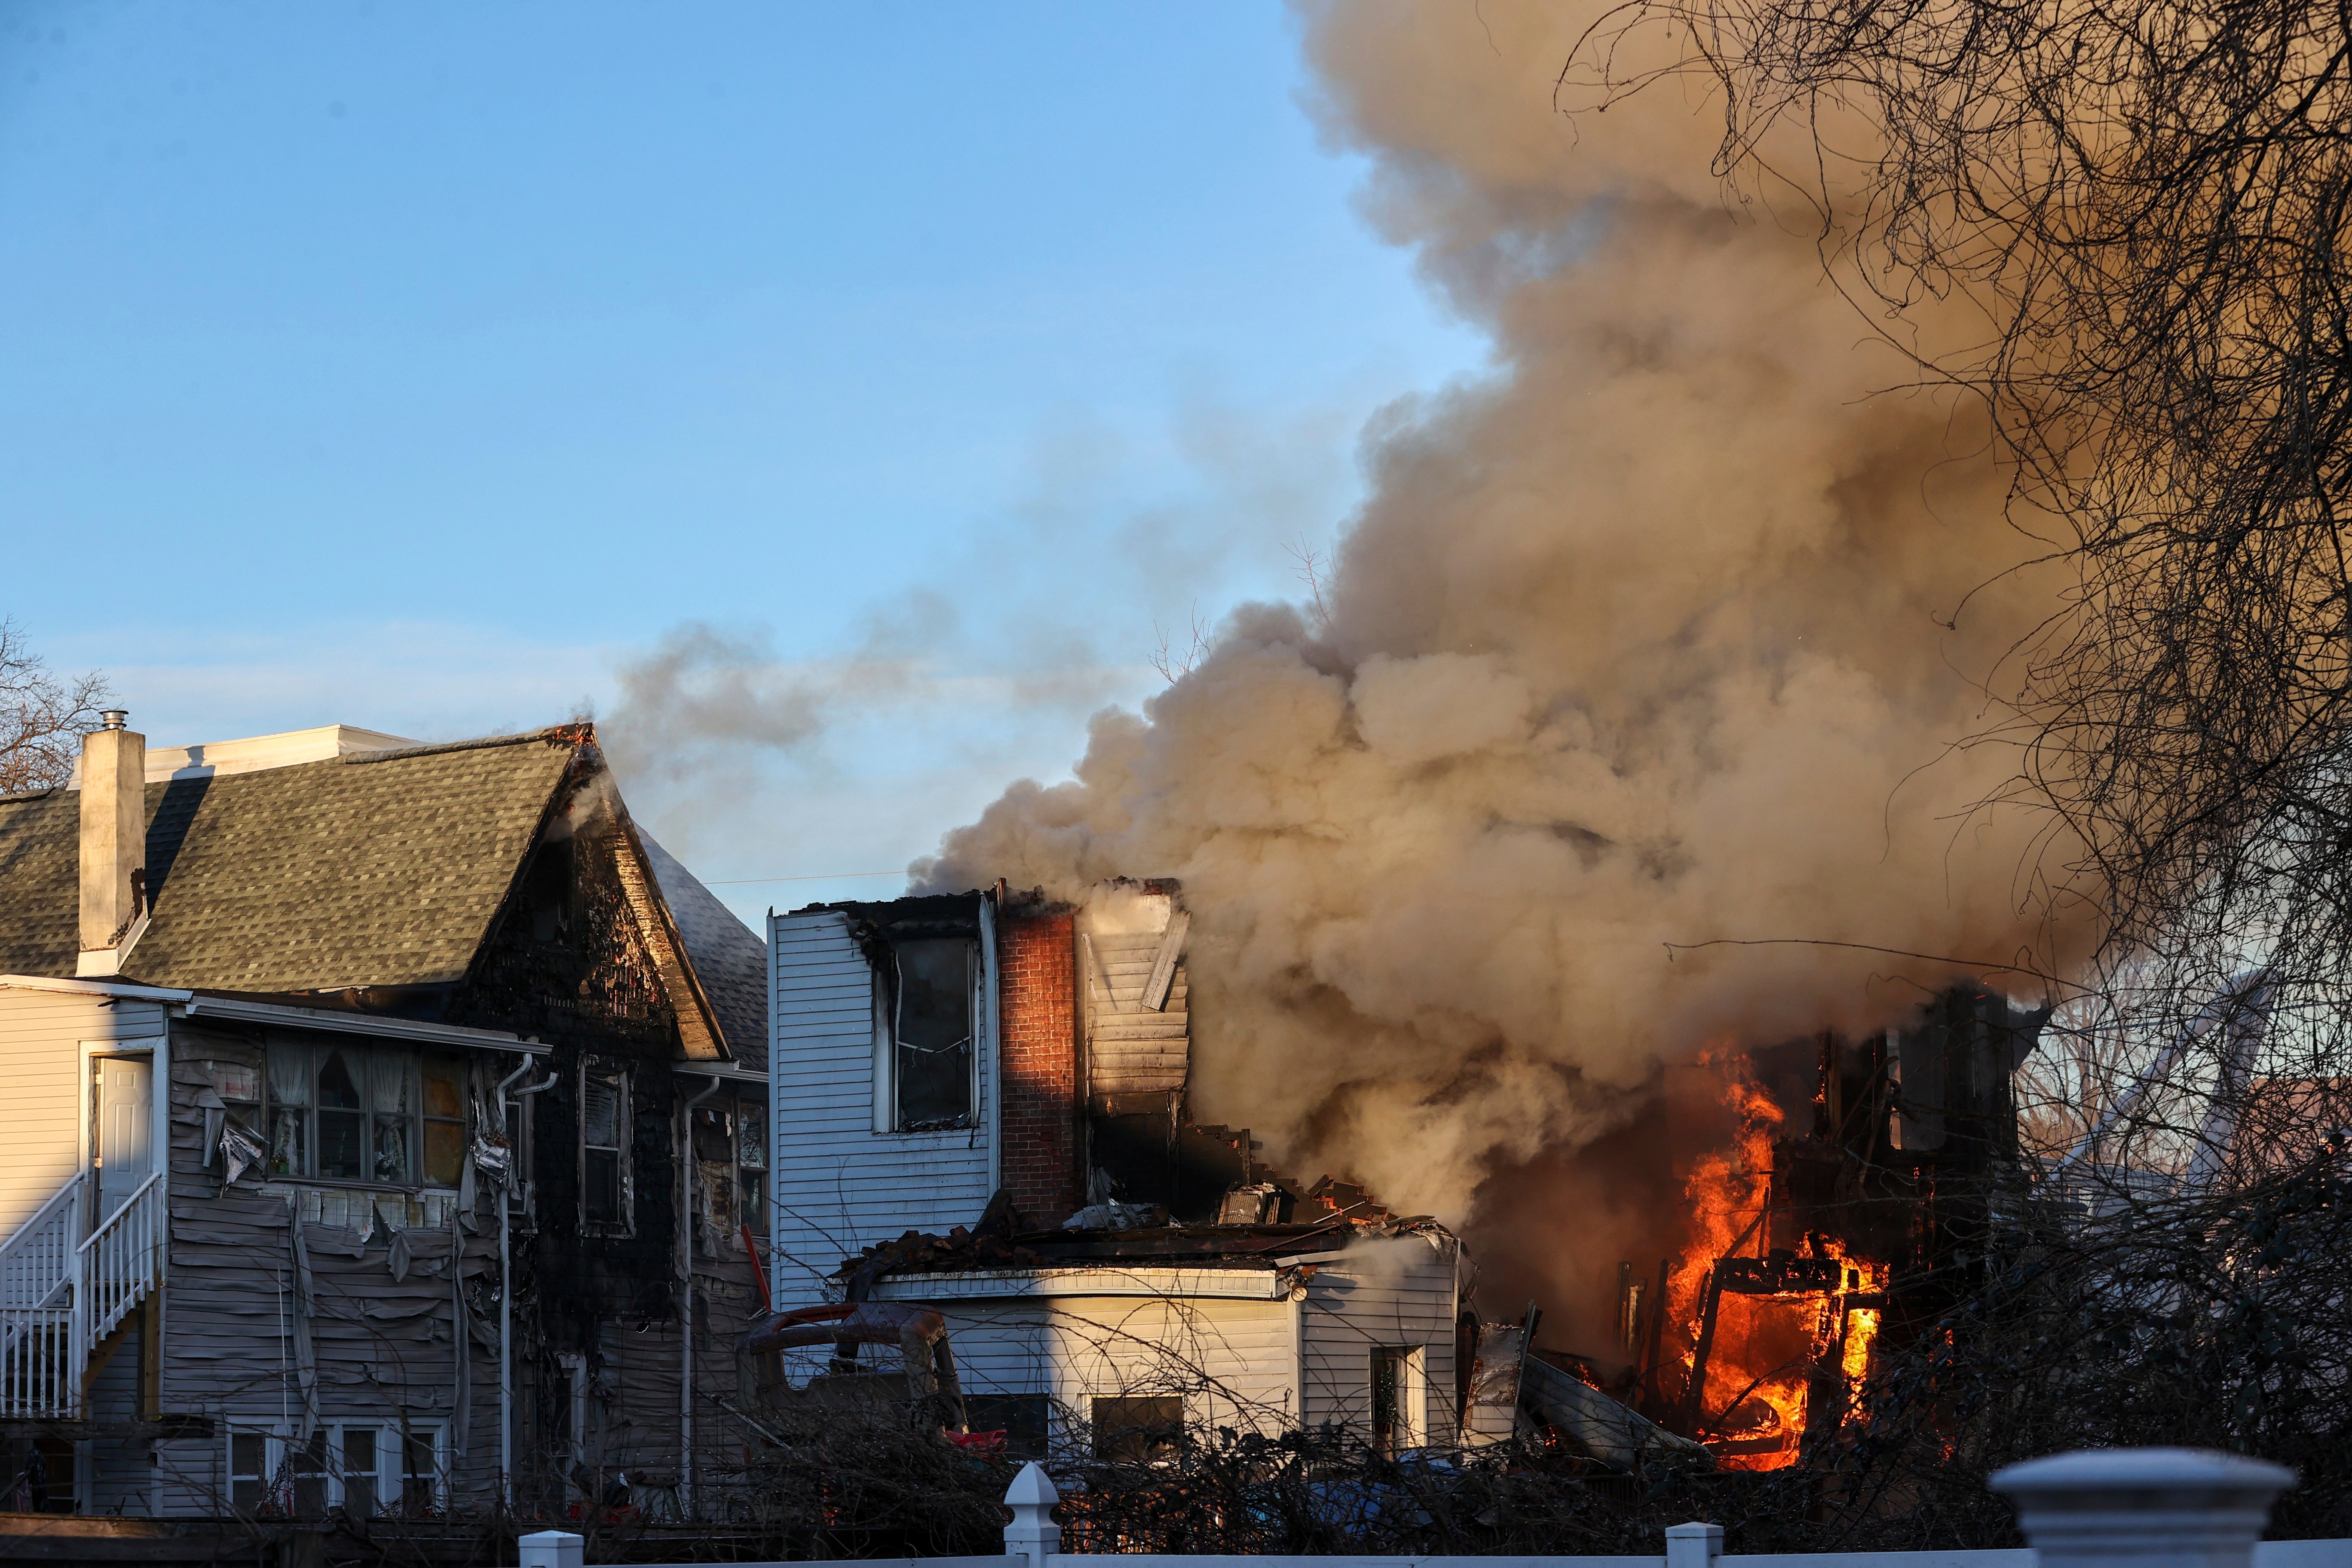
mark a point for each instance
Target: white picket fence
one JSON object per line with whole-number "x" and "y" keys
{"x": 2120, "y": 1508}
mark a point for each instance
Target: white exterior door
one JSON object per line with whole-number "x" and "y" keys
{"x": 126, "y": 1127}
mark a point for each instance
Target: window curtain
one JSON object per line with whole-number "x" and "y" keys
{"x": 290, "y": 1076}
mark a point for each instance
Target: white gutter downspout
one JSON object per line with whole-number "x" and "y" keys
{"x": 685, "y": 1306}
{"x": 506, "y": 1283}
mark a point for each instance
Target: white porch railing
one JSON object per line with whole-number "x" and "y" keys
{"x": 37, "y": 1262}
{"x": 39, "y": 1374}
{"x": 2123, "y": 1508}
{"x": 62, "y": 1294}
{"x": 118, "y": 1262}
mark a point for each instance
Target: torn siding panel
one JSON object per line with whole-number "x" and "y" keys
{"x": 1394, "y": 1294}
{"x": 839, "y": 1185}
{"x": 384, "y": 1349}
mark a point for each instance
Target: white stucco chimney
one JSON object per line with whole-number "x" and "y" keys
{"x": 113, "y": 844}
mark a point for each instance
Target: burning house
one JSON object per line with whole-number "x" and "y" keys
{"x": 1851, "y": 1202}
{"x": 984, "y": 1111}
{"x": 379, "y": 1118}
{"x": 983, "y": 1107}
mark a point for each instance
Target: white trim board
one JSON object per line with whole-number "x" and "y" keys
{"x": 1254, "y": 1284}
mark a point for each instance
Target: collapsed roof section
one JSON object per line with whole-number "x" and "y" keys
{"x": 1315, "y": 1221}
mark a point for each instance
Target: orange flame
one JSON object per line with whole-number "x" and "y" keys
{"x": 1765, "y": 1351}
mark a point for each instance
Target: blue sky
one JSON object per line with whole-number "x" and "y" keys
{"x": 425, "y": 366}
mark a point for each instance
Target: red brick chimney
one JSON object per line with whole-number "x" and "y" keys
{"x": 1037, "y": 955}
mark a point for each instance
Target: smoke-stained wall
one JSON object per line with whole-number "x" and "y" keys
{"x": 1668, "y": 630}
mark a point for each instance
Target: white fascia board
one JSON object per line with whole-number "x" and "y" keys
{"x": 359, "y": 1024}
{"x": 1002, "y": 1284}
{"x": 734, "y": 1071}
{"x": 123, "y": 989}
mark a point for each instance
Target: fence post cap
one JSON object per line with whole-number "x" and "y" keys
{"x": 1033, "y": 1488}
{"x": 2098, "y": 1474}
{"x": 1694, "y": 1529}
{"x": 549, "y": 1549}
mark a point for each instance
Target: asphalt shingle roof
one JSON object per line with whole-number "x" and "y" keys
{"x": 375, "y": 869}
{"x": 727, "y": 958}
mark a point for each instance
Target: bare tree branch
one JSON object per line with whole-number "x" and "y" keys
{"x": 42, "y": 716}
{"x": 1174, "y": 667}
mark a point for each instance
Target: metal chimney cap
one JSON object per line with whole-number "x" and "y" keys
{"x": 115, "y": 717}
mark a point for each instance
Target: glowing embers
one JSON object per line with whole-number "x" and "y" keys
{"x": 1860, "y": 1329}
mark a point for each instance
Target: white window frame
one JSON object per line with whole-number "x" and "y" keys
{"x": 1412, "y": 1394}
{"x": 390, "y": 1484}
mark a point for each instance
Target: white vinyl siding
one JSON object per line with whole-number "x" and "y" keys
{"x": 839, "y": 1185}
{"x": 1234, "y": 1362}
{"x": 1397, "y": 1294}
{"x": 41, "y": 1034}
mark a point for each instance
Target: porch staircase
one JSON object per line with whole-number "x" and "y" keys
{"x": 65, "y": 1297}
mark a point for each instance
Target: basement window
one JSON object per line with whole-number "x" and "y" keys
{"x": 1138, "y": 1429}
{"x": 1021, "y": 1417}
{"x": 603, "y": 1150}
{"x": 927, "y": 1006}
{"x": 364, "y": 1467}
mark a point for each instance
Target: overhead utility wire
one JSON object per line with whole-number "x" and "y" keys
{"x": 827, "y": 877}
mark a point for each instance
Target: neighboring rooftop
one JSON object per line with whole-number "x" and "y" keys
{"x": 211, "y": 759}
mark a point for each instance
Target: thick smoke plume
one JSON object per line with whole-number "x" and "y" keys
{"x": 1653, "y": 637}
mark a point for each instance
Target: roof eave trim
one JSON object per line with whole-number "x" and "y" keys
{"x": 342, "y": 1022}
{"x": 117, "y": 988}
{"x": 734, "y": 1071}
{"x": 1268, "y": 1281}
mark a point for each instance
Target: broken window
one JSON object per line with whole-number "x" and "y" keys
{"x": 352, "y": 1113}
{"x": 1138, "y": 1429}
{"x": 1398, "y": 1400}
{"x": 603, "y": 1168}
{"x": 547, "y": 892}
{"x": 731, "y": 1155}
{"x": 752, "y": 1164}
{"x": 926, "y": 1030}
